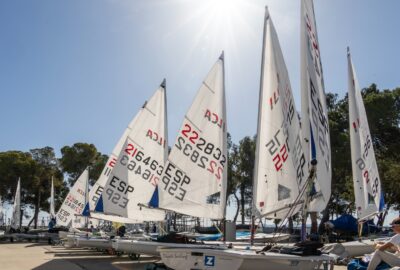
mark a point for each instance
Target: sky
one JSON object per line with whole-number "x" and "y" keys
{"x": 78, "y": 71}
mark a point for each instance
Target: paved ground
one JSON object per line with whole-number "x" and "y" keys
{"x": 36, "y": 256}
{"x": 24, "y": 256}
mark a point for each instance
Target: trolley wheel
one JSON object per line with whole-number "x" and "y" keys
{"x": 134, "y": 256}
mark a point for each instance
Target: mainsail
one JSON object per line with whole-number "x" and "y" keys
{"x": 16, "y": 214}
{"x": 314, "y": 113}
{"x": 194, "y": 178}
{"x": 52, "y": 211}
{"x": 139, "y": 165}
{"x": 280, "y": 166}
{"x": 98, "y": 187}
{"x": 2, "y": 223}
{"x": 367, "y": 184}
{"x": 71, "y": 210}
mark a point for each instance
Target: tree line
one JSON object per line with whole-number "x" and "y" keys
{"x": 37, "y": 166}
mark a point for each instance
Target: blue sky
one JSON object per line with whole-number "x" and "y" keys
{"x": 79, "y": 70}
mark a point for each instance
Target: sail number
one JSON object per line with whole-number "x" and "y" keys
{"x": 320, "y": 123}
{"x": 367, "y": 177}
{"x": 278, "y": 152}
{"x": 117, "y": 191}
{"x": 137, "y": 162}
{"x": 174, "y": 181}
{"x": 204, "y": 154}
{"x": 63, "y": 215}
{"x": 202, "y": 145}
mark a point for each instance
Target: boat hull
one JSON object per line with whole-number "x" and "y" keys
{"x": 150, "y": 247}
{"x": 183, "y": 259}
{"x": 99, "y": 243}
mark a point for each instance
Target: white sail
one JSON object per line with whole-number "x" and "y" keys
{"x": 280, "y": 165}
{"x": 194, "y": 178}
{"x": 367, "y": 184}
{"x": 98, "y": 187}
{"x": 134, "y": 178}
{"x": 2, "y": 223}
{"x": 16, "y": 214}
{"x": 71, "y": 210}
{"x": 314, "y": 114}
{"x": 52, "y": 211}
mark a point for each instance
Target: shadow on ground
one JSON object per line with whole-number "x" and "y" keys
{"x": 92, "y": 260}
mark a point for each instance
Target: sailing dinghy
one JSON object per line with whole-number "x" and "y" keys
{"x": 367, "y": 185}
{"x": 131, "y": 175}
{"x": 280, "y": 174}
{"x": 193, "y": 181}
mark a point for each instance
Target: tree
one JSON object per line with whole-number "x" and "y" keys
{"x": 35, "y": 170}
{"x": 245, "y": 170}
{"x": 47, "y": 169}
{"x": 77, "y": 157}
{"x": 383, "y": 113}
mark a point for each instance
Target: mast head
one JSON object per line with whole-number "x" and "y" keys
{"x": 266, "y": 13}
{"x": 348, "y": 50}
{"x": 163, "y": 83}
{"x": 221, "y": 57}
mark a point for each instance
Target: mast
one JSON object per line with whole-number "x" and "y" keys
{"x": 222, "y": 58}
{"x": 87, "y": 196}
{"x": 52, "y": 211}
{"x": 258, "y": 139}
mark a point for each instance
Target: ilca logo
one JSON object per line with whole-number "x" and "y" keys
{"x": 209, "y": 260}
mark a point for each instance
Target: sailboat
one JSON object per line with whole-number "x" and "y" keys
{"x": 2, "y": 218}
{"x": 137, "y": 172}
{"x": 16, "y": 217}
{"x": 52, "y": 211}
{"x": 281, "y": 172}
{"x": 367, "y": 185}
{"x": 193, "y": 181}
{"x": 130, "y": 178}
{"x": 16, "y": 213}
{"x": 69, "y": 214}
{"x": 368, "y": 195}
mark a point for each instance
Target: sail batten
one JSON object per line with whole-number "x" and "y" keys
{"x": 365, "y": 171}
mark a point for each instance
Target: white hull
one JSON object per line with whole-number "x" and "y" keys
{"x": 151, "y": 247}
{"x": 354, "y": 248}
{"x": 99, "y": 243}
{"x": 64, "y": 234}
{"x": 265, "y": 238}
{"x": 71, "y": 241}
{"x": 184, "y": 259}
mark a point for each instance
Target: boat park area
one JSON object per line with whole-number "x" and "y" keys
{"x": 40, "y": 256}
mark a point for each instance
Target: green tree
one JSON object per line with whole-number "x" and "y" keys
{"x": 383, "y": 113}
{"x": 77, "y": 157}
{"x": 47, "y": 168}
{"x": 35, "y": 170}
{"x": 245, "y": 170}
